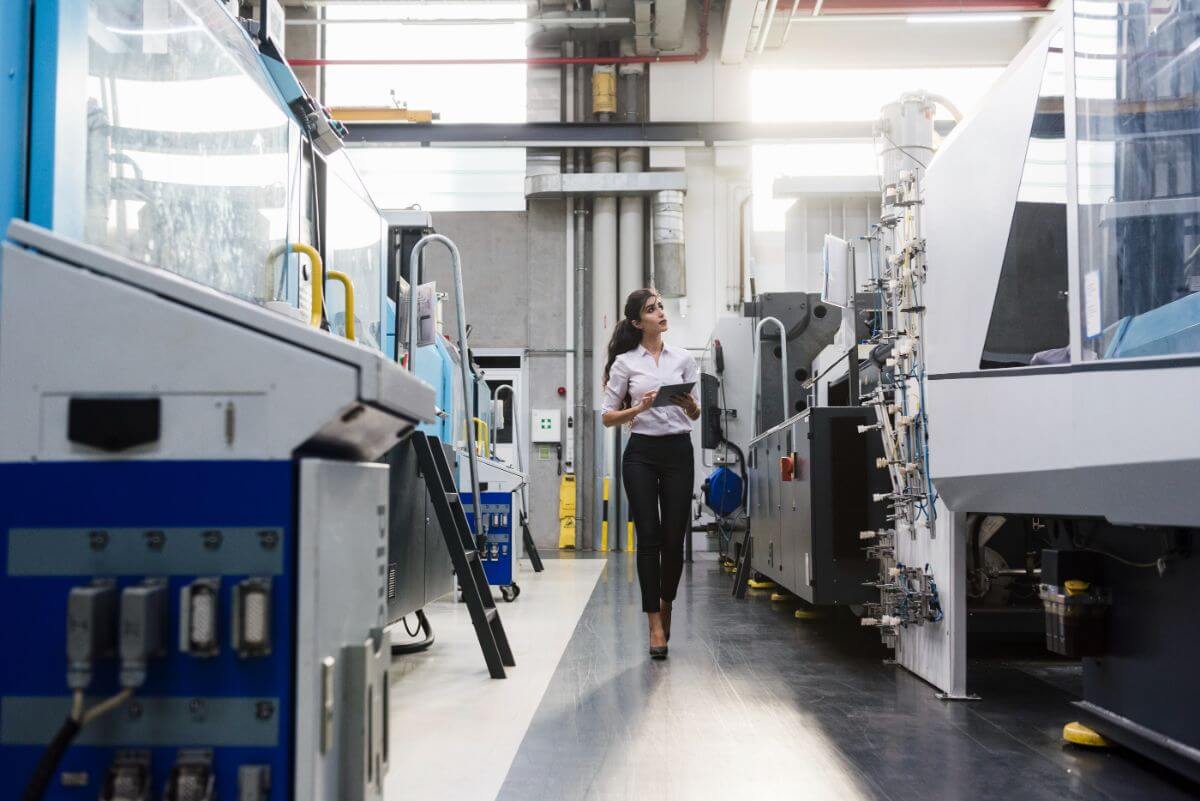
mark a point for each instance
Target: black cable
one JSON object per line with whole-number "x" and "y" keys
{"x": 416, "y": 647}
{"x": 409, "y": 631}
{"x": 47, "y": 765}
{"x": 902, "y": 150}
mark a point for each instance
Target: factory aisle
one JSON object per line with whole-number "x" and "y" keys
{"x": 454, "y": 730}
{"x": 750, "y": 703}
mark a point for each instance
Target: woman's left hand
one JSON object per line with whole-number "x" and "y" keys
{"x": 688, "y": 404}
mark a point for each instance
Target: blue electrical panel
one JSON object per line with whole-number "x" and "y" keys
{"x": 497, "y": 552}
{"x": 213, "y": 539}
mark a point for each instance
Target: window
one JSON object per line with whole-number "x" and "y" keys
{"x": 444, "y": 179}
{"x": 842, "y": 95}
{"x": 436, "y": 179}
{"x": 1138, "y": 121}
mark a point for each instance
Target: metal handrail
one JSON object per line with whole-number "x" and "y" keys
{"x": 516, "y": 440}
{"x": 464, "y": 367}
{"x": 758, "y": 371}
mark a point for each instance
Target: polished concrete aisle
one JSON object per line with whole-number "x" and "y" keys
{"x": 453, "y": 729}
{"x": 755, "y": 704}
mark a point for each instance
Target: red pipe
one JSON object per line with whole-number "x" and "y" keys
{"x": 535, "y": 61}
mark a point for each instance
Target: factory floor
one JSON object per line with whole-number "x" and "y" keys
{"x": 751, "y": 703}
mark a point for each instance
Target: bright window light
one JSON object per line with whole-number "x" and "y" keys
{"x": 843, "y": 95}
{"x": 808, "y": 159}
{"x": 459, "y": 93}
{"x": 437, "y": 179}
{"x": 444, "y": 179}
{"x": 815, "y": 95}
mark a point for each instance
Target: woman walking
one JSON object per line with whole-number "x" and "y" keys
{"x": 657, "y": 466}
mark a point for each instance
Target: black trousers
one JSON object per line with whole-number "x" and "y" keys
{"x": 658, "y": 474}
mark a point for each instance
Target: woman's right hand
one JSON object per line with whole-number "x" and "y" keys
{"x": 646, "y": 402}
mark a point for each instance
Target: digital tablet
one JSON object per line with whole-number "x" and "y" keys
{"x": 668, "y": 391}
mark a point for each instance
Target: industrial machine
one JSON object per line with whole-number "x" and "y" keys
{"x": 1061, "y": 338}
{"x": 1033, "y": 339}
{"x": 811, "y": 482}
{"x": 808, "y": 486}
{"x": 194, "y": 398}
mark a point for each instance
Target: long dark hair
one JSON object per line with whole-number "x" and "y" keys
{"x": 626, "y": 336}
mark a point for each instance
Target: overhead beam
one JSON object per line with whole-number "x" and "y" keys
{"x": 614, "y": 184}
{"x": 612, "y": 134}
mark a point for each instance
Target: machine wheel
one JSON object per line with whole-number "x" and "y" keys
{"x": 509, "y": 592}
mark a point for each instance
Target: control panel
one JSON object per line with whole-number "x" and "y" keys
{"x": 151, "y": 602}
{"x": 496, "y": 553}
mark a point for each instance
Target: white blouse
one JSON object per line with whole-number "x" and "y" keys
{"x": 635, "y": 373}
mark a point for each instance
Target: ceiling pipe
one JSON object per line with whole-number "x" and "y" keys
{"x": 765, "y": 30}
{"x": 537, "y": 61}
{"x": 581, "y": 22}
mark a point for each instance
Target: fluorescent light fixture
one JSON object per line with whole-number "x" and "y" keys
{"x": 962, "y": 17}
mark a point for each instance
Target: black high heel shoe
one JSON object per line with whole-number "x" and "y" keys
{"x": 659, "y": 652}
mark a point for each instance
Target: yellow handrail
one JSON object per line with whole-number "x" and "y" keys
{"x": 484, "y": 438}
{"x": 318, "y": 283}
{"x": 348, "y": 285}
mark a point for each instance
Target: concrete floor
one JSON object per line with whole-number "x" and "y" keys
{"x": 750, "y": 702}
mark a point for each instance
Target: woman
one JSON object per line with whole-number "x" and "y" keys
{"x": 658, "y": 463}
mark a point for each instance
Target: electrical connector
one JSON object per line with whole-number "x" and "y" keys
{"x": 254, "y": 782}
{"x": 91, "y": 629}
{"x": 252, "y": 617}
{"x": 128, "y": 778}
{"x": 198, "y": 617}
{"x": 191, "y": 777}
{"x": 143, "y": 629}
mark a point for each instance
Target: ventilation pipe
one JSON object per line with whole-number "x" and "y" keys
{"x": 604, "y": 285}
{"x": 670, "y": 273}
{"x": 631, "y": 270}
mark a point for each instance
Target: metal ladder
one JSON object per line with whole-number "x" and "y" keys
{"x": 476, "y": 591}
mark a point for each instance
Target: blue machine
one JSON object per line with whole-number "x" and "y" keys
{"x": 499, "y": 557}
{"x": 723, "y": 491}
{"x": 192, "y": 516}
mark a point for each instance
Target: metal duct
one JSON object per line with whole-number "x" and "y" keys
{"x": 670, "y": 272}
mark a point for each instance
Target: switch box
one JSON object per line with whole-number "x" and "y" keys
{"x": 546, "y": 425}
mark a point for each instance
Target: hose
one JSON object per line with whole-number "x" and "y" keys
{"x": 415, "y": 647}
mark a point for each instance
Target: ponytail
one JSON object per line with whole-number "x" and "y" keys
{"x": 626, "y": 336}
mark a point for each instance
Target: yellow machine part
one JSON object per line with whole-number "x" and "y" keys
{"x": 1078, "y": 734}
{"x": 382, "y": 114}
{"x": 760, "y": 585}
{"x": 604, "y": 90}
{"x": 566, "y": 511}
{"x": 604, "y": 519}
